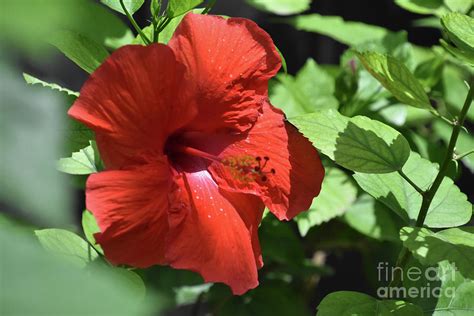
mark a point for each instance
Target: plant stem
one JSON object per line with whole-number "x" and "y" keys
{"x": 413, "y": 184}
{"x": 135, "y": 25}
{"x": 447, "y": 159}
{"x": 429, "y": 195}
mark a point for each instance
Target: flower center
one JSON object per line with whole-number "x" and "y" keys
{"x": 244, "y": 168}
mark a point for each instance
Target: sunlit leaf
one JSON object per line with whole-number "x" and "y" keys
{"x": 132, "y": 6}
{"x": 80, "y": 163}
{"x": 396, "y": 78}
{"x": 455, "y": 245}
{"x": 90, "y": 227}
{"x": 357, "y": 143}
{"x": 180, "y": 7}
{"x": 67, "y": 245}
{"x": 372, "y": 218}
{"x": 448, "y": 208}
{"x": 337, "y": 194}
{"x": 312, "y": 89}
{"x": 347, "y": 32}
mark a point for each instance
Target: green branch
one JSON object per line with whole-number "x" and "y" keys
{"x": 429, "y": 195}
{"x": 135, "y": 25}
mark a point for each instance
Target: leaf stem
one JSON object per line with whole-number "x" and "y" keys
{"x": 134, "y": 23}
{"x": 413, "y": 184}
{"x": 209, "y": 6}
{"x": 429, "y": 195}
{"x": 463, "y": 155}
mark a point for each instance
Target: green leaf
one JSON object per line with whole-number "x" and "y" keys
{"x": 80, "y": 163}
{"x": 32, "y": 80}
{"x": 337, "y": 194}
{"x": 422, "y": 6}
{"x": 67, "y": 245}
{"x": 429, "y": 72}
{"x": 312, "y": 89}
{"x": 358, "y": 143}
{"x": 281, "y": 7}
{"x": 131, "y": 280}
{"x": 280, "y": 243}
{"x": 53, "y": 286}
{"x": 90, "y": 227}
{"x": 460, "y": 30}
{"x": 85, "y": 52}
{"x": 346, "y": 32}
{"x": 449, "y": 206}
{"x": 372, "y": 219}
{"x": 180, "y": 7}
{"x": 188, "y": 294}
{"x": 354, "y": 303}
{"x": 461, "y": 6}
{"x": 396, "y": 78}
{"x": 456, "y": 292}
{"x": 455, "y": 245}
{"x": 132, "y": 6}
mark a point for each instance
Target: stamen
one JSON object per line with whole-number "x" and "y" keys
{"x": 243, "y": 168}
{"x": 195, "y": 152}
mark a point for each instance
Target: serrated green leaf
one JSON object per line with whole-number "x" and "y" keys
{"x": 180, "y": 7}
{"x": 455, "y": 245}
{"x": 337, "y": 194}
{"x": 449, "y": 207}
{"x": 396, "y": 78}
{"x": 346, "y": 32}
{"x": 90, "y": 227}
{"x": 357, "y": 143}
{"x": 67, "y": 245}
{"x": 312, "y": 89}
{"x": 355, "y": 303}
{"x": 422, "y": 6}
{"x": 80, "y": 163}
{"x": 32, "y": 80}
{"x": 132, "y": 6}
{"x": 281, "y": 7}
{"x": 372, "y": 219}
{"x": 85, "y": 52}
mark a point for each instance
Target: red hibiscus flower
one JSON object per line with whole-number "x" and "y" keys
{"x": 194, "y": 151}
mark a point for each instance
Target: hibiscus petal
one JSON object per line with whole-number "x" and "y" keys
{"x": 131, "y": 208}
{"x": 215, "y": 234}
{"x": 133, "y": 102}
{"x": 298, "y": 172}
{"x": 230, "y": 61}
